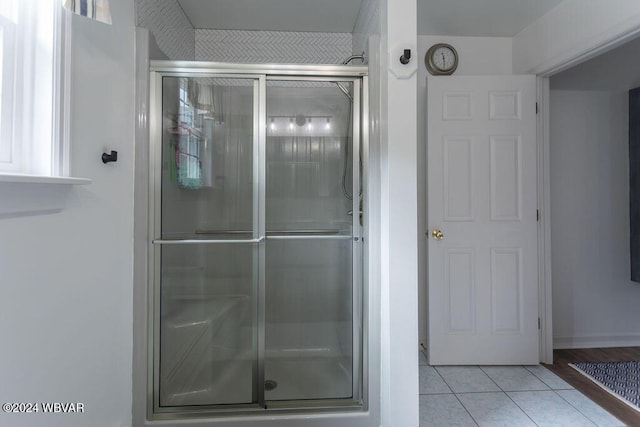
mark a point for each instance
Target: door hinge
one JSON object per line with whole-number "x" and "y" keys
{"x": 537, "y": 109}
{"x": 538, "y": 215}
{"x": 538, "y": 323}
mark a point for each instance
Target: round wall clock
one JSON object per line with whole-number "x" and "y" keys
{"x": 441, "y": 59}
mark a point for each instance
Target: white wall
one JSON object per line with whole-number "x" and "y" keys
{"x": 594, "y": 302}
{"x": 66, "y": 278}
{"x": 478, "y": 55}
{"x": 168, "y": 23}
{"x": 573, "y": 31}
{"x": 367, "y": 25}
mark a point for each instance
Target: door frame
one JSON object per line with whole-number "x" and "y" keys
{"x": 148, "y": 130}
{"x": 597, "y": 46}
{"x": 545, "y": 311}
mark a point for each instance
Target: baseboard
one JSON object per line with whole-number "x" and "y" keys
{"x": 597, "y": 341}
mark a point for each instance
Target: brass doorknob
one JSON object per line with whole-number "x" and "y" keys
{"x": 437, "y": 234}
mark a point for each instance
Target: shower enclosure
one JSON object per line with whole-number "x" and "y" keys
{"x": 256, "y": 225}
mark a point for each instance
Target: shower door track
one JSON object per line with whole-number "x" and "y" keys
{"x": 260, "y": 73}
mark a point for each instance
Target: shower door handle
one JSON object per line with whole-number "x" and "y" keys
{"x": 310, "y": 236}
{"x": 191, "y": 241}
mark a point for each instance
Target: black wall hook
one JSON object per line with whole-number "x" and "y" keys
{"x": 113, "y": 157}
{"x": 404, "y": 59}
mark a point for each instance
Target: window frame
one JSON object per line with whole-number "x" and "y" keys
{"x": 36, "y": 146}
{"x": 8, "y": 146}
{"x": 61, "y": 147}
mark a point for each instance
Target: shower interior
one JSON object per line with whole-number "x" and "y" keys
{"x": 257, "y": 260}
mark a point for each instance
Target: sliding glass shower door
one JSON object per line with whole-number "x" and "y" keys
{"x": 209, "y": 241}
{"x": 257, "y": 223}
{"x": 309, "y": 248}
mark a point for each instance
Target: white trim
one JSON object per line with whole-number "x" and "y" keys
{"x": 141, "y": 245}
{"x": 597, "y": 341}
{"x": 372, "y": 256}
{"x": 61, "y": 155}
{"x": 41, "y": 179}
{"x": 545, "y": 307}
{"x": 24, "y": 195}
{"x": 595, "y": 46}
{"x": 8, "y": 144}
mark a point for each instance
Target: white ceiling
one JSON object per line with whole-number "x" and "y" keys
{"x": 479, "y": 18}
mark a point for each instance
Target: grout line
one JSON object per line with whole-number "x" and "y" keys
{"x": 422, "y": 352}
{"x": 528, "y": 371}
{"x": 443, "y": 380}
{"x": 494, "y": 391}
{"x": 574, "y": 407}
{"x": 492, "y": 380}
{"x": 540, "y": 379}
{"x": 435, "y": 394}
{"x": 516, "y": 403}
{"x": 465, "y": 408}
{"x": 554, "y": 374}
{"x": 505, "y": 394}
{"x": 591, "y": 401}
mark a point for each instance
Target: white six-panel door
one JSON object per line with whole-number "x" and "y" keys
{"x": 483, "y": 303}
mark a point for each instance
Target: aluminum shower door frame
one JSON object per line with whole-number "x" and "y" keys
{"x": 260, "y": 74}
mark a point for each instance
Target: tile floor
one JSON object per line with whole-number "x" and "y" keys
{"x": 503, "y": 396}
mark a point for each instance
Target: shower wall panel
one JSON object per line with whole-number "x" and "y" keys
{"x": 272, "y": 47}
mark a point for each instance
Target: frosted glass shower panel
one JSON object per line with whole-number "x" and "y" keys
{"x": 207, "y": 157}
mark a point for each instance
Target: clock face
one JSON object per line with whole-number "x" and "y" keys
{"x": 441, "y": 59}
